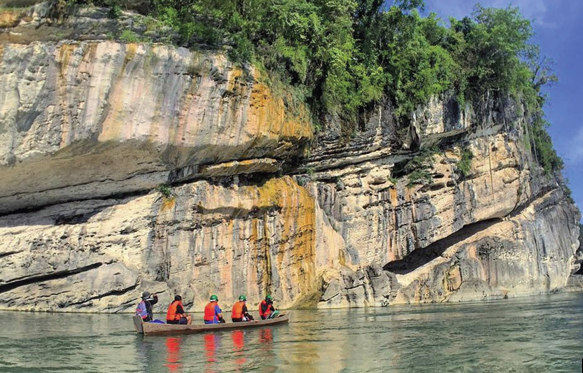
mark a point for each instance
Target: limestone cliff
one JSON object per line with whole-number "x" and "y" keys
{"x": 142, "y": 166}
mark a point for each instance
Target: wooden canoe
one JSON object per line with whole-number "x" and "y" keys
{"x": 147, "y": 328}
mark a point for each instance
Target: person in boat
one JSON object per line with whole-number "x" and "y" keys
{"x": 239, "y": 312}
{"x": 266, "y": 309}
{"x": 176, "y": 314}
{"x": 144, "y": 309}
{"x": 212, "y": 312}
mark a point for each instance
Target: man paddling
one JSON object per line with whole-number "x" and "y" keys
{"x": 239, "y": 312}
{"x": 144, "y": 309}
{"x": 176, "y": 314}
{"x": 266, "y": 309}
{"x": 212, "y": 312}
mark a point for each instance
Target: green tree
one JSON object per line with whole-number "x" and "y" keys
{"x": 341, "y": 57}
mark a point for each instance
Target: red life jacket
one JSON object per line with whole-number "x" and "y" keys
{"x": 171, "y": 315}
{"x": 237, "y": 311}
{"x": 209, "y": 311}
{"x": 268, "y": 309}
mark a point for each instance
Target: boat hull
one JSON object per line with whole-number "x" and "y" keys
{"x": 147, "y": 328}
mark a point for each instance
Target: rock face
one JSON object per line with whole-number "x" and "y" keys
{"x": 133, "y": 116}
{"x": 206, "y": 237}
{"x": 504, "y": 229}
{"x": 89, "y": 130}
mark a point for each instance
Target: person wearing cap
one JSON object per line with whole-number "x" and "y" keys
{"x": 144, "y": 309}
{"x": 212, "y": 312}
{"x": 239, "y": 312}
{"x": 176, "y": 314}
{"x": 266, "y": 308}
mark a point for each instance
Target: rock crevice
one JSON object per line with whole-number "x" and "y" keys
{"x": 127, "y": 167}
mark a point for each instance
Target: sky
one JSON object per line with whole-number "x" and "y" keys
{"x": 558, "y": 30}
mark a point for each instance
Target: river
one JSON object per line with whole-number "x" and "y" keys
{"x": 535, "y": 334}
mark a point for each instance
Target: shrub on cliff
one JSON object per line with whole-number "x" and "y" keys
{"x": 464, "y": 165}
{"x": 344, "y": 56}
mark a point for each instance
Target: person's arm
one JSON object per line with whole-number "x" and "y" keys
{"x": 149, "y": 312}
{"x": 154, "y": 300}
{"x": 246, "y": 313}
{"x": 180, "y": 310}
{"x": 219, "y": 313}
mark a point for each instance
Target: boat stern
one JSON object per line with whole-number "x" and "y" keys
{"x": 138, "y": 324}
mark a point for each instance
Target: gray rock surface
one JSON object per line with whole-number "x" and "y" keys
{"x": 89, "y": 128}
{"x": 88, "y": 120}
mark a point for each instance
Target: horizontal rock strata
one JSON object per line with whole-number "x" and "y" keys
{"x": 94, "y": 119}
{"x": 127, "y": 167}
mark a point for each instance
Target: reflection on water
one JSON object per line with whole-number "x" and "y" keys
{"x": 211, "y": 346}
{"x": 173, "y": 355}
{"x": 266, "y": 337}
{"x": 238, "y": 337}
{"x": 533, "y": 334}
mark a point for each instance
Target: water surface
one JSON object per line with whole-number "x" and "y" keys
{"x": 539, "y": 334}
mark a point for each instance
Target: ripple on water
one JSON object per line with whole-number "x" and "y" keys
{"x": 540, "y": 334}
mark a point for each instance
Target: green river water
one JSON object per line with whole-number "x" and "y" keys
{"x": 536, "y": 334}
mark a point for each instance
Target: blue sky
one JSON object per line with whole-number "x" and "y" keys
{"x": 559, "y": 32}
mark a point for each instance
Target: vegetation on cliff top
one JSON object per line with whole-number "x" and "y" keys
{"x": 344, "y": 56}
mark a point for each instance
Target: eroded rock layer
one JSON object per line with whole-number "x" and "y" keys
{"x": 93, "y": 119}
{"x": 206, "y": 237}
{"x": 132, "y": 167}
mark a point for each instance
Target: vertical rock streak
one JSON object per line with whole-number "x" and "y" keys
{"x": 88, "y": 129}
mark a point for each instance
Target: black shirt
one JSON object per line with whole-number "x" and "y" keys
{"x": 149, "y": 303}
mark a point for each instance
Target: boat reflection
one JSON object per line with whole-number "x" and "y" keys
{"x": 212, "y": 343}
{"x": 173, "y": 354}
{"x": 145, "y": 352}
{"x": 238, "y": 340}
{"x": 267, "y": 353}
{"x": 238, "y": 337}
{"x": 266, "y": 337}
{"x": 242, "y": 352}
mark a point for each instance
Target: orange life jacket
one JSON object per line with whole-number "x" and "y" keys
{"x": 171, "y": 314}
{"x": 209, "y": 311}
{"x": 237, "y": 311}
{"x": 268, "y": 309}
